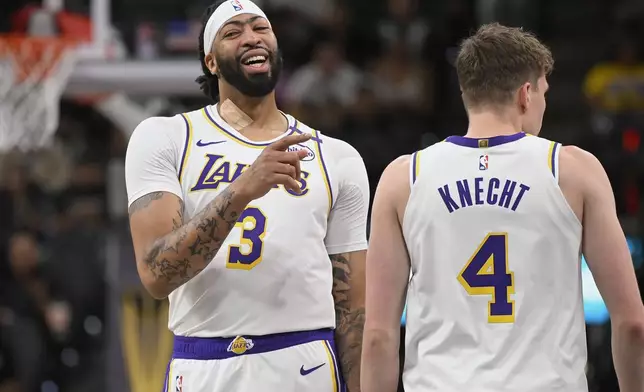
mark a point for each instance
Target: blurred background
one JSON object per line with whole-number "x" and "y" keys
{"x": 376, "y": 73}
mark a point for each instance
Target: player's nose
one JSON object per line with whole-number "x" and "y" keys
{"x": 250, "y": 38}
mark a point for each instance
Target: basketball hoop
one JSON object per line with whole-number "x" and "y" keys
{"x": 33, "y": 74}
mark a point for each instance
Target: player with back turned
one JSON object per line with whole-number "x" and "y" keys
{"x": 253, "y": 224}
{"x": 492, "y": 225}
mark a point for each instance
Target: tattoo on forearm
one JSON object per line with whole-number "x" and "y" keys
{"x": 349, "y": 321}
{"x": 191, "y": 246}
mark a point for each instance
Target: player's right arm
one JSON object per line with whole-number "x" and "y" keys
{"x": 606, "y": 251}
{"x": 169, "y": 250}
{"x": 388, "y": 268}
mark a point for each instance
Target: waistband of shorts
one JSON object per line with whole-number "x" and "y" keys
{"x": 222, "y": 348}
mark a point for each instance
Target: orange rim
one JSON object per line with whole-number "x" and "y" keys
{"x": 34, "y": 54}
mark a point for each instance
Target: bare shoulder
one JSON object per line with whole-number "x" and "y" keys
{"x": 398, "y": 167}
{"x": 579, "y": 166}
{"x": 574, "y": 154}
{"x": 583, "y": 180}
{"x": 394, "y": 186}
{"x": 396, "y": 174}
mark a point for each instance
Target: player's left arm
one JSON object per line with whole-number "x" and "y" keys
{"x": 348, "y": 294}
{"x": 346, "y": 242}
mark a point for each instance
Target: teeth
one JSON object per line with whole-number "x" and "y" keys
{"x": 255, "y": 59}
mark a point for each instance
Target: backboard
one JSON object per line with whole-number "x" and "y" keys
{"x": 150, "y": 52}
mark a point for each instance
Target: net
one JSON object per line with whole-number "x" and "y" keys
{"x": 33, "y": 74}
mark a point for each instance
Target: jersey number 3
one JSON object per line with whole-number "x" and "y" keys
{"x": 487, "y": 273}
{"x": 249, "y": 252}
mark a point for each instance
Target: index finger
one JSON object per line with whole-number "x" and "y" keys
{"x": 285, "y": 142}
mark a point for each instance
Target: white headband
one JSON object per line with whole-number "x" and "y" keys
{"x": 223, "y": 14}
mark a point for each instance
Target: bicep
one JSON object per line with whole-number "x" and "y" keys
{"x": 387, "y": 259}
{"x": 604, "y": 245}
{"x": 153, "y": 216}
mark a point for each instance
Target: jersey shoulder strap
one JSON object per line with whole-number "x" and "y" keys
{"x": 413, "y": 168}
{"x": 422, "y": 160}
{"x": 546, "y": 152}
{"x": 553, "y": 158}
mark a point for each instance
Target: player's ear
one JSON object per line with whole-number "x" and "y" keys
{"x": 524, "y": 96}
{"x": 211, "y": 63}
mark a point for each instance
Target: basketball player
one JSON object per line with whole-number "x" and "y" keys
{"x": 253, "y": 224}
{"x": 491, "y": 226}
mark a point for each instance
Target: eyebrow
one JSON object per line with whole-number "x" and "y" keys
{"x": 239, "y": 23}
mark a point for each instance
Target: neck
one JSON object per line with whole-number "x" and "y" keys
{"x": 489, "y": 124}
{"x": 261, "y": 111}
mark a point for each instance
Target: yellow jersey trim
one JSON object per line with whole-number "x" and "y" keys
{"x": 186, "y": 148}
{"x": 323, "y": 169}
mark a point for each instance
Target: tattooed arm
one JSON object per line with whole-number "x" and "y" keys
{"x": 346, "y": 244}
{"x": 169, "y": 251}
{"x": 348, "y": 294}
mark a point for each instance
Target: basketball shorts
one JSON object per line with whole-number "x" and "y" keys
{"x": 287, "y": 362}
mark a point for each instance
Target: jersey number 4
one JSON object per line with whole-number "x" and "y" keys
{"x": 249, "y": 252}
{"x": 487, "y": 273}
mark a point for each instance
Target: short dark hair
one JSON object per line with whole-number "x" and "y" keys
{"x": 494, "y": 62}
{"x": 208, "y": 82}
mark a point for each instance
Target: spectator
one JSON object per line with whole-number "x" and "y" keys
{"x": 400, "y": 81}
{"x": 617, "y": 86}
{"x": 323, "y": 90}
{"x": 403, "y": 24}
{"x": 23, "y": 331}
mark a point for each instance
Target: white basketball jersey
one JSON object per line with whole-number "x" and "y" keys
{"x": 273, "y": 273}
{"x": 494, "y": 301}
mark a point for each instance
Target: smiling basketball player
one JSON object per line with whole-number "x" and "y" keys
{"x": 253, "y": 224}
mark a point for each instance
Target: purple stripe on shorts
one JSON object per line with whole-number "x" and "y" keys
{"x": 167, "y": 373}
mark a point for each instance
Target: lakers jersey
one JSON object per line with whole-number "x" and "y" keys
{"x": 494, "y": 302}
{"x": 273, "y": 272}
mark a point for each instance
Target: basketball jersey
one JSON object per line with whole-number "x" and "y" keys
{"x": 494, "y": 302}
{"x": 273, "y": 273}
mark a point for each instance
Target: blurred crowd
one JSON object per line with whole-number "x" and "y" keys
{"x": 52, "y": 268}
{"x": 376, "y": 74}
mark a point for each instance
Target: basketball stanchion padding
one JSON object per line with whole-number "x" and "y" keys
{"x": 33, "y": 74}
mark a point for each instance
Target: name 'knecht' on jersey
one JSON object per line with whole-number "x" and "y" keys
{"x": 494, "y": 301}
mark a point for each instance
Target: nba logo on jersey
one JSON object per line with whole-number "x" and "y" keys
{"x": 236, "y": 5}
{"x": 309, "y": 153}
{"x": 483, "y": 162}
{"x": 178, "y": 384}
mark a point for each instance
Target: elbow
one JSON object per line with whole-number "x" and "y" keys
{"x": 631, "y": 330}
{"x": 155, "y": 288}
{"x": 156, "y": 291}
{"x": 154, "y": 285}
{"x": 381, "y": 341}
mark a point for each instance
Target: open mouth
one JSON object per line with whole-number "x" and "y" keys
{"x": 255, "y": 61}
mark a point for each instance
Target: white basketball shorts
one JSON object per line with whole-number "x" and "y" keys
{"x": 287, "y": 362}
